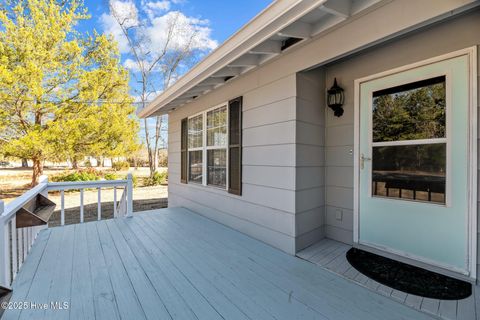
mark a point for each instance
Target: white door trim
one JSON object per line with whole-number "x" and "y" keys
{"x": 471, "y": 53}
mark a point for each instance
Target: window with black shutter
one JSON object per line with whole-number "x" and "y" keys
{"x": 235, "y": 146}
{"x": 184, "y": 151}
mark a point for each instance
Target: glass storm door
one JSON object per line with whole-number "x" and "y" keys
{"x": 413, "y": 159}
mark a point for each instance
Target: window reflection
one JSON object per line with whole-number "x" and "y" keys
{"x": 415, "y": 172}
{"x": 410, "y": 112}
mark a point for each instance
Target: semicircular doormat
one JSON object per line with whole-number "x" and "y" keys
{"x": 408, "y": 278}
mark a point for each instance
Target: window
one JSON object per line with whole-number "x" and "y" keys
{"x": 211, "y": 147}
{"x": 195, "y": 149}
{"x": 207, "y": 147}
{"x": 217, "y": 147}
{"x": 409, "y": 144}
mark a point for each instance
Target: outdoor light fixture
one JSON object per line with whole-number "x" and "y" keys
{"x": 335, "y": 99}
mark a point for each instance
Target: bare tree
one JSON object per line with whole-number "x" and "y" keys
{"x": 155, "y": 67}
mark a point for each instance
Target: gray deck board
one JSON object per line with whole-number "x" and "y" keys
{"x": 193, "y": 298}
{"x": 104, "y": 302}
{"x": 322, "y": 252}
{"x": 323, "y": 284}
{"x": 41, "y": 285}
{"x": 22, "y": 284}
{"x": 149, "y": 258}
{"x": 211, "y": 289}
{"x": 174, "y": 264}
{"x": 60, "y": 286}
{"x": 146, "y": 293}
{"x": 82, "y": 291}
{"x": 127, "y": 301}
{"x": 273, "y": 299}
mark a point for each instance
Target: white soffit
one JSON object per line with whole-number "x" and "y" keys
{"x": 280, "y": 26}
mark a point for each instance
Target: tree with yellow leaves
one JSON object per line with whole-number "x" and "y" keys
{"x": 63, "y": 95}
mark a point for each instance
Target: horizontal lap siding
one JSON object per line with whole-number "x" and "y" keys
{"x": 310, "y": 153}
{"x": 266, "y": 208}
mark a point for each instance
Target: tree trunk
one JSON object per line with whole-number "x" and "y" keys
{"x": 37, "y": 170}
{"x": 74, "y": 163}
{"x": 24, "y": 163}
{"x": 99, "y": 162}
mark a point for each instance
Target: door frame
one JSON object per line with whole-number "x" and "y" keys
{"x": 471, "y": 53}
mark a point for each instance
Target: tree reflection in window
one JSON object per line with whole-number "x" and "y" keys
{"x": 402, "y": 165}
{"x": 410, "y": 112}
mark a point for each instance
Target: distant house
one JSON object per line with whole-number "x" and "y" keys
{"x": 261, "y": 140}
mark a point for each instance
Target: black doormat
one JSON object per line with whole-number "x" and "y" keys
{"x": 408, "y": 278}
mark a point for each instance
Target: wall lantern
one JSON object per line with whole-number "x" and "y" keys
{"x": 335, "y": 99}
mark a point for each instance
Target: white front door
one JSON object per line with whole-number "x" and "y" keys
{"x": 413, "y": 192}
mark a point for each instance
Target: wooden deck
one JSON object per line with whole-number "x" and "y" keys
{"x": 175, "y": 264}
{"x": 330, "y": 254}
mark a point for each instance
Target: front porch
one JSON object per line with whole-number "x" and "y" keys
{"x": 175, "y": 264}
{"x": 331, "y": 255}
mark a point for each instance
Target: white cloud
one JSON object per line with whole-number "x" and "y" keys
{"x": 154, "y": 8}
{"x": 127, "y": 14}
{"x": 155, "y": 20}
{"x": 185, "y": 30}
{"x": 131, "y": 65}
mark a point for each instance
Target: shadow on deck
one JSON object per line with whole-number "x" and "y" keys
{"x": 175, "y": 264}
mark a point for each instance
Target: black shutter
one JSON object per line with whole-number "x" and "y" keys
{"x": 184, "y": 151}
{"x": 235, "y": 146}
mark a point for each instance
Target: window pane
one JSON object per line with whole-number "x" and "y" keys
{"x": 195, "y": 166}
{"x": 217, "y": 127}
{"x": 217, "y": 167}
{"x": 414, "y": 172}
{"x": 195, "y": 132}
{"x": 410, "y": 112}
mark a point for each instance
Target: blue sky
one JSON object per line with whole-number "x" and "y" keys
{"x": 215, "y": 21}
{"x": 225, "y": 17}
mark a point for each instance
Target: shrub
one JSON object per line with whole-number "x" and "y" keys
{"x": 163, "y": 158}
{"x": 158, "y": 178}
{"x": 134, "y": 180}
{"x": 88, "y": 174}
{"x": 110, "y": 176}
{"x": 120, "y": 165}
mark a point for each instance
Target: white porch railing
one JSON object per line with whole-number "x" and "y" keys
{"x": 15, "y": 243}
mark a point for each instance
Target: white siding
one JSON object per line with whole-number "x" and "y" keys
{"x": 266, "y": 209}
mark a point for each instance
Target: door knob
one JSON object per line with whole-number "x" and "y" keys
{"x": 362, "y": 160}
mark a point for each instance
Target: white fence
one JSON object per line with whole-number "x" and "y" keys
{"x": 15, "y": 243}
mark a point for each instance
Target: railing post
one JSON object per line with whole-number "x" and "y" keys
{"x": 4, "y": 249}
{"x": 43, "y": 179}
{"x": 129, "y": 195}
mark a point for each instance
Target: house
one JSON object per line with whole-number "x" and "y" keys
{"x": 390, "y": 167}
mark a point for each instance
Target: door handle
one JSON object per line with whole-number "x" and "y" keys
{"x": 362, "y": 160}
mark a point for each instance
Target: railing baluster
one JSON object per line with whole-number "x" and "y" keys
{"x": 129, "y": 195}
{"x": 14, "y": 246}
{"x": 62, "y": 206}
{"x": 3, "y": 248}
{"x": 25, "y": 243}
{"x": 8, "y": 243}
{"x": 115, "y": 201}
{"x": 30, "y": 238}
{"x": 20, "y": 247}
{"x": 99, "y": 208}
{"x": 81, "y": 205}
